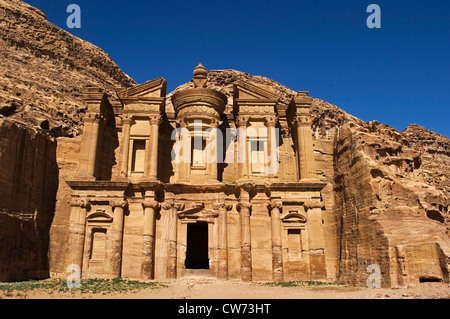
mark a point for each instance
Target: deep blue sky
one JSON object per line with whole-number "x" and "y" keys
{"x": 399, "y": 74}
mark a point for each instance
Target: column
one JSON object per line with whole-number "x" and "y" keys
{"x": 126, "y": 128}
{"x": 184, "y": 165}
{"x": 223, "y": 239}
{"x": 152, "y": 151}
{"x": 114, "y": 266}
{"x": 172, "y": 222}
{"x": 88, "y": 154}
{"x": 212, "y": 153}
{"x": 77, "y": 231}
{"x": 277, "y": 261}
{"x": 148, "y": 264}
{"x": 316, "y": 240}
{"x": 246, "y": 250}
{"x": 242, "y": 123}
{"x": 305, "y": 148}
{"x": 272, "y": 165}
{"x": 314, "y": 222}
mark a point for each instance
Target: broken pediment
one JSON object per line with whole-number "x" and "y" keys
{"x": 254, "y": 99}
{"x": 252, "y": 91}
{"x": 150, "y": 89}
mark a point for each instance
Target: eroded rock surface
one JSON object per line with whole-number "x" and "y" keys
{"x": 387, "y": 195}
{"x": 44, "y": 70}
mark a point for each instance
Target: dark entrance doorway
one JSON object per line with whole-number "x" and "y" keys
{"x": 197, "y": 246}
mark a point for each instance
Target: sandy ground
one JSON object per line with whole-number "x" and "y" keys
{"x": 209, "y": 288}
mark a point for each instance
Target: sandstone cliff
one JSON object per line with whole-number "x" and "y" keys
{"x": 43, "y": 71}
{"x": 387, "y": 195}
{"x": 28, "y": 184}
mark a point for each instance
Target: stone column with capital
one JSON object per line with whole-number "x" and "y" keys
{"x": 242, "y": 123}
{"x": 114, "y": 266}
{"x": 148, "y": 263}
{"x": 77, "y": 232}
{"x": 213, "y": 151}
{"x": 172, "y": 209}
{"x": 88, "y": 152}
{"x": 94, "y": 98}
{"x": 126, "y": 129}
{"x": 277, "y": 259}
{"x": 305, "y": 150}
{"x": 272, "y": 165}
{"x": 301, "y": 119}
{"x": 316, "y": 240}
{"x": 151, "y": 167}
{"x": 246, "y": 249}
{"x": 223, "y": 208}
{"x": 184, "y": 160}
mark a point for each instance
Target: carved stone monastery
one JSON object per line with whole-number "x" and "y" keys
{"x": 140, "y": 213}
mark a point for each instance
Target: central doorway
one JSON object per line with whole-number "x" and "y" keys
{"x": 197, "y": 246}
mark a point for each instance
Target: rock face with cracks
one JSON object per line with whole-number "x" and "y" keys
{"x": 43, "y": 71}
{"x": 386, "y": 196}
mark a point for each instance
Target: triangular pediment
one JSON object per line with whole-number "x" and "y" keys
{"x": 252, "y": 91}
{"x": 149, "y": 89}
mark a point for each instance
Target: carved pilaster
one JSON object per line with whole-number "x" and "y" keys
{"x": 246, "y": 250}
{"x": 77, "y": 231}
{"x": 88, "y": 153}
{"x": 114, "y": 266}
{"x": 242, "y": 123}
{"x": 172, "y": 208}
{"x": 126, "y": 129}
{"x": 148, "y": 263}
{"x": 183, "y": 146}
{"x": 272, "y": 135}
{"x": 277, "y": 261}
{"x": 300, "y": 117}
{"x": 212, "y": 151}
{"x": 223, "y": 208}
{"x": 151, "y": 169}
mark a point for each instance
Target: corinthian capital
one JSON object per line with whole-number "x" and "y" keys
{"x": 274, "y": 204}
{"x": 151, "y": 204}
{"x": 244, "y": 207}
{"x": 118, "y": 203}
{"x": 270, "y": 121}
{"x": 83, "y": 203}
{"x": 173, "y": 205}
{"x": 126, "y": 120}
{"x": 242, "y": 121}
{"x": 155, "y": 120}
{"x": 91, "y": 118}
{"x": 222, "y": 206}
